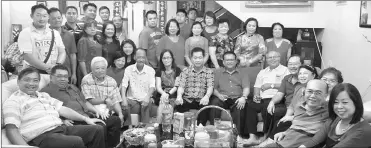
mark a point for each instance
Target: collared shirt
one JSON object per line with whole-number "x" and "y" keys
{"x": 76, "y": 32}
{"x": 71, "y": 97}
{"x": 32, "y": 116}
{"x": 107, "y": 89}
{"x": 231, "y": 84}
{"x": 268, "y": 75}
{"x": 138, "y": 82}
{"x": 195, "y": 83}
{"x": 38, "y": 43}
{"x": 287, "y": 87}
{"x": 68, "y": 41}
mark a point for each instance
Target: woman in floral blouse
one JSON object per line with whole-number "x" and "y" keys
{"x": 220, "y": 43}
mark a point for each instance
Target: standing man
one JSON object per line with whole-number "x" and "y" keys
{"x": 35, "y": 42}
{"x": 192, "y": 15}
{"x": 149, "y": 37}
{"x": 195, "y": 86}
{"x": 104, "y": 14}
{"x": 71, "y": 23}
{"x": 90, "y": 13}
{"x": 55, "y": 21}
{"x": 231, "y": 88}
{"x": 185, "y": 29}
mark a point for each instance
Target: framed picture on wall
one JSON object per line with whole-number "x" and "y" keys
{"x": 81, "y": 4}
{"x": 41, "y": 2}
{"x": 199, "y": 5}
{"x": 275, "y": 3}
{"x": 365, "y": 14}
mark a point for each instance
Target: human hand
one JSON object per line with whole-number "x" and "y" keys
{"x": 92, "y": 121}
{"x": 164, "y": 98}
{"x": 49, "y": 68}
{"x": 270, "y": 108}
{"x": 124, "y": 105}
{"x": 204, "y": 101}
{"x": 121, "y": 116}
{"x": 217, "y": 66}
{"x": 285, "y": 119}
{"x": 73, "y": 79}
{"x": 68, "y": 122}
{"x": 265, "y": 87}
{"x": 102, "y": 115}
{"x": 108, "y": 102}
{"x": 241, "y": 103}
{"x": 223, "y": 97}
{"x": 279, "y": 136}
{"x": 179, "y": 101}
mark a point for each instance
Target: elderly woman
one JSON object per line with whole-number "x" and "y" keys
{"x": 219, "y": 44}
{"x": 279, "y": 44}
{"x": 346, "y": 128}
{"x": 332, "y": 77}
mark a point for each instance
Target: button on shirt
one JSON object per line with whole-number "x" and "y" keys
{"x": 268, "y": 75}
{"x": 138, "y": 82}
{"x": 32, "y": 115}
{"x": 231, "y": 84}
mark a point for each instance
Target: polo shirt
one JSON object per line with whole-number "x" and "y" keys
{"x": 37, "y": 42}
{"x": 287, "y": 87}
{"x": 231, "y": 84}
{"x": 32, "y": 116}
{"x": 70, "y": 46}
{"x": 269, "y": 75}
{"x": 71, "y": 97}
{"x": 76, "y": 32}
{"x": 138, "y": 82}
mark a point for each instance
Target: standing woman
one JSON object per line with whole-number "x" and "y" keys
{"x": 279, "y": 44}
{"x": 128, "y": 49}
{"x": 172, "y": 41}
{"x": 219, "y": 44}
{"x": 121, "y": 33}
{"x": 211, "y": 28}
{"x": 109, "y": 42}
{"x": 196, "y": 39}
{"x": 87, "y": 48}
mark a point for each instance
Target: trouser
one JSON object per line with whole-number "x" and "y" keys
{"x": 111, "y": 130}
{"x": 230, "y": 104}
{"x": 186, "y": 106}
{"x": 78, "y": 136}
{"x": 272, "y": 120}
{"x": 251, "y": 113}
{"x": 136, "y": 107}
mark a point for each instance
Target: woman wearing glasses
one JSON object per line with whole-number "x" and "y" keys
{"x": 331, "y": 76}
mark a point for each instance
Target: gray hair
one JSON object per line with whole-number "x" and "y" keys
{"x": 98, "y": 59}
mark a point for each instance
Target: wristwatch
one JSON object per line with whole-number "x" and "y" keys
{"x": 272, "y": 86}
{"x": 244, "y": 97}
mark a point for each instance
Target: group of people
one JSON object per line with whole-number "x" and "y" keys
{"x": 98, "y": 76}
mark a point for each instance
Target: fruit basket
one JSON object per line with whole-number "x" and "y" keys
{"x": 135, "y": 136}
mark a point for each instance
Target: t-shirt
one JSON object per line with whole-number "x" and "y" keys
{"x": 149, "y": 39}
{"x": 185, "y": 31}
{"x": 178, "y": 49}
{"x": 109, "y": 51}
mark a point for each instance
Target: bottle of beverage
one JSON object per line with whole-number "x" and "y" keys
{"x": 167, "y": 118}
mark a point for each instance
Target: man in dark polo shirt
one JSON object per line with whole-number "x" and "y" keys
{"x": 73, "y": 98}
{"x": 231, "y": 88}
{"x": 55, "y": 21}
{"x": 71, "y": 23}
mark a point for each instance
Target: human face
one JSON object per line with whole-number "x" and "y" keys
{"x": 117, "y": 21}
{"x": 197, "y": 29}
{"x": 209, "y": 21}
{"x": 305, "y": 75}
{"x": 99, "y": 69}
{"x": 251, "y": 27}
{"x": 192, "y": 15}
{"x": 229, "y": 61}
{"x": 128, "y": 49}
{"x": 315, "y": 93}
{"x": 55, "y": 19}
{"x": 223, "y": 28}
{"x": 104, "y": 14}
{"x": 344, "y": 107}
{"x": 29, "y": 83}
{"x": 173, "y": 28}
{"x": 152, "y": 20}
{"x": 140, "y": 57}
{"x": 71, "y": 15}
{"x": 180, "y": 17}
{"x": 197, "y": 59}
{"x": 167, "y": 59}
{"x": 91, "y": 12}
{"x": 110, "y": 30}
{"x": 120, "y": 62}
{"x": 91, "y": 30}
{"x": 293, "y": 65}
{"x": 307, "y": 62}
{"x": 330, "y": 80}
{"x": 40, "y": 18}
{"x": 273, "y": 59}
{"x": 60, "y": 78}
{"x": 277, "y": 31}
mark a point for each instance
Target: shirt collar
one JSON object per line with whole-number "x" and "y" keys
{"x": 144, "y": 70}
{"x": 24, "y": 94}
{"x": 68, "y": 27}
{"x": 320, "y": 109}
{"x": 235, "y": 70}
{"x": 33, "y": 29}
{"x": 269, "y": 69}
{"x": 203, "y": 69}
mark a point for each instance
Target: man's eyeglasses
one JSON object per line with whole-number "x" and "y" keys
{"x": 316, "y": 93}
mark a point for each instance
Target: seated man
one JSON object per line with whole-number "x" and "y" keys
{"x": 231, "y": 88}
{"x": 72, "y": 97}
{"x": 32, "y": 118}
{"x": 138, "y": 86}
{"x": 266, "y": 86}
{"x": 309, "y": 115}
{"x": 195, "y": 86}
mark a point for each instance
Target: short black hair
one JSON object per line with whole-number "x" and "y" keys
{"x": 230, "y": 53}
{"x": 223, "y": 20}
{"x": 354, "y": 95}
{"x": 197, "y": 49}
{"x": 27, "y": 71}
{"x": 72, "y": 7}
{"x": 197, "y": 23}
{"x": 333, "y": 70}
{"x": 311, "y": 69}
{"x": 275, "y": 24}
{"x": 168, "y": 26}
{"x": 249, "y": 20}
{"x": 193, "y": 9}
{"x": 104, "y": 7}
{"x": 53, "y": 9}
{"x": 182, "y": 11}
{"x": 87, "y": 5}
{"x": 33, "y": 8}
{"x": 210, "y": 14}
{"x": 58, "y": 67}
{"x": 150, "y": 12}
{"x": 118, "y": 55}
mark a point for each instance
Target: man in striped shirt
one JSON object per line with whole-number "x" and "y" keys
{"x": 71, "y": 23}
{"x": 32, "y": 118}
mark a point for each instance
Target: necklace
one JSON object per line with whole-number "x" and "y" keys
{"x": 343, "y": 130}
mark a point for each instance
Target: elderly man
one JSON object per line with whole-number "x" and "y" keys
{"x": 195, "y": 86}
{"x": 310, "y": 113}
{"x": 138, "y": 86}
{"x": 72, "y": 97}
{"x": 231, "y": 88}
{"x": 266, "y": 86}
{"x": 32, "y": 118}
